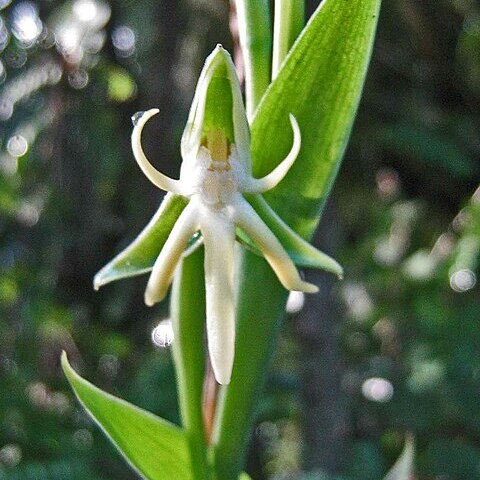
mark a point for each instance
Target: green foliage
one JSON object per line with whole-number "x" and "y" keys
{"x": 154, "y": 447}
{"x": 320, "y": 83}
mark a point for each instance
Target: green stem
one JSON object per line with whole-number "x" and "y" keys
{"x": 237, "y": 401}
{"x": 256, "y": 43}
{"x": 260, "y": 308}
{"x": 188, "y": 317}
{"x": 288, "y": 23}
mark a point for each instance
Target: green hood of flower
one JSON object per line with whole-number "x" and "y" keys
{"x": 217, "y": 114}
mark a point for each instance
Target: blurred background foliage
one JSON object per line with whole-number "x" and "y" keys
{"x": 394, "y": 348}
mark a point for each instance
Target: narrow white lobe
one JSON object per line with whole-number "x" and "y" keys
{"x": 167, "y": 261}
{"x": 157, "y": 178}
{"x": 219, "y": 238}
{"x": 259, "y": 185}
{"x": 248, "y": 220}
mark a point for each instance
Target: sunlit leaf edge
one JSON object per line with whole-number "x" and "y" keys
{"x": 178, "y": 463}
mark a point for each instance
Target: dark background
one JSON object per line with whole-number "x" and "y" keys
{"x": 394, "y": 348}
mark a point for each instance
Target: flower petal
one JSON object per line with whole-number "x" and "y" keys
{"x": 219, "y": 239}
{"x": 157, "y": 178}
{"x": 247, "y": 219}
{"x": 259, "y": 185}
{"x": 167, "y": 261}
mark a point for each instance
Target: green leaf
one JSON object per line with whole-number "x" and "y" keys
{"x": 320, "y": 83}
{"x": 299, "y": 250}
{"x": 141, "y": 254}
{"x": 154, "y": 447}
{"x": 403, "y": 467}
{"x": 432, "y": 148}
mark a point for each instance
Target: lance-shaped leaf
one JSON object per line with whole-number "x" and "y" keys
{"x": 155, "y": 448}
{"x": 141, "y": 254}
{"x": 320, "y": 83}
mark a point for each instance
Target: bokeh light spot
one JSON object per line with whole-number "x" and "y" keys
{"x": 377, "y": 389}
{"x": 85, "y": 10}
{"x": 123, "y": 39}
{"x": 295, "y": 302}
{"x": 26, "y": 24}
{"x": 17, "y": 146}
{"x": 463, "y": 280}
{"x": 162, "y": 334}
{"x": 10, "y": 455}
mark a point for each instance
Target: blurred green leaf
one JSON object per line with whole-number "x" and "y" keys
{"x": 154, "y": 447}
{"x": 403, "y": 467}
{"x": 436, "y": 150}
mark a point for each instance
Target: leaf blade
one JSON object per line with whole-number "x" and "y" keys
{"x": 320, "y": 83}
{"x": 134, "y": 431}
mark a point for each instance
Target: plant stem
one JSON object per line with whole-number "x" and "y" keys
{"x": 256, "y": 43}
{"x": 236, "y": 402}
{"x": 260, "y": 308}
{"x": 289, "y": 20}
{"x": 188, "y": 317}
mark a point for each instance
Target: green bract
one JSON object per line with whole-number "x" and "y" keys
{"x": 154, "y": 447}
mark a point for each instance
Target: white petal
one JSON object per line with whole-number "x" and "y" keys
{"x": 157, "y": 178}
{"x": 259, "y": 185}
{"x": 167, "y": 261}
{"x": 219, "y": 239}
{"x": 249, "y": 221}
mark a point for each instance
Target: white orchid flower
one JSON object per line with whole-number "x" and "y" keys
{"x": 215, "y": 173}
{"x": 207, "y": 201}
